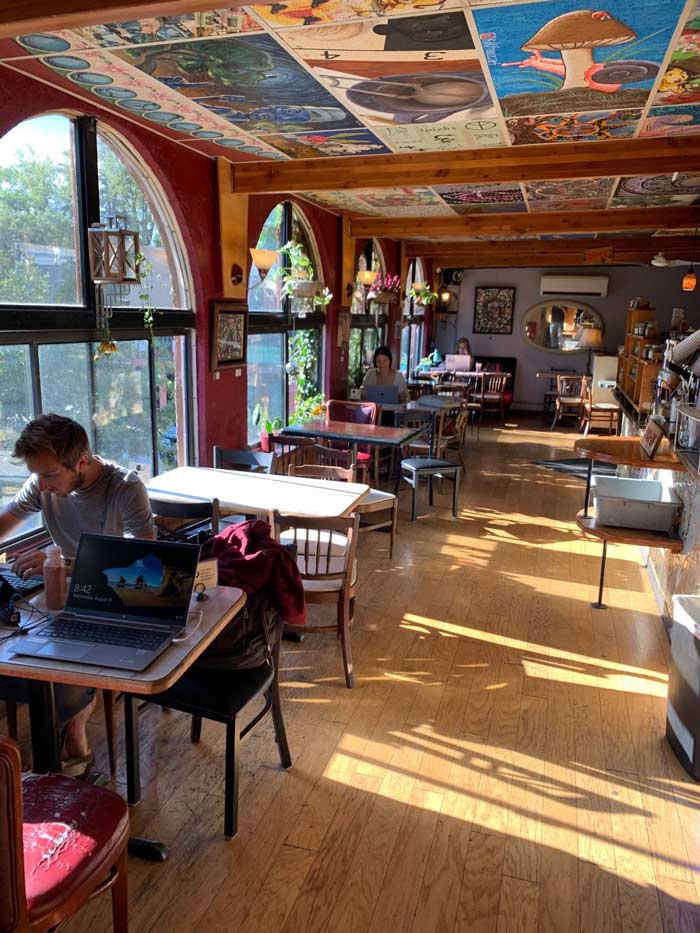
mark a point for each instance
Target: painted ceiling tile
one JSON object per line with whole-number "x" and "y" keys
{"x": 558, "y": 58}
{"x": 341, "y": 200}
{"x": 307, "y": 13}
{"x": 482, "y": 133}
{"x": 672, "y": 121}
{"x": 575, "y": 127}
{"x": 576, "y": 188}
{"x": 383, "y": 198}
{"x": 122, "y": 86}
{"x": 480, "y": 194}
{"x": 569, "y": 204}
{"x": 642, "y": 185}
{"x": 681, "y": 81}
{"x": 249, "y": 81}
{"x": 51, "y": 43}
{"x": 418, "y": 210}
{"x": 512, "y": 207}
{"x": 657, "y": 200}
{"x": 317, "y": 145}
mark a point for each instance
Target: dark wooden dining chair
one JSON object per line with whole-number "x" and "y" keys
{"x": 246, "y": 461}
{"x": 413, "y": 469}
{"x": 185, "y": 519}
{"x": 354, "y": 413}
{"x": 569, "y": 400}
{"x": 62, "y": 842}
{"x": 288, "y": 449}
{"x": 490, "y": 394}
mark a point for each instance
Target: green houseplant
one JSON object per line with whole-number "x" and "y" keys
{"x": 298, "y": 279}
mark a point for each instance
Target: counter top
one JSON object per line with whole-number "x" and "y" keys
{"x": 638, "y": 536}
{"x": 627, "y": 451}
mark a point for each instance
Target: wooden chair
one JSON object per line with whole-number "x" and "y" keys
{"x": 550, "y": 394}
{"x": 61, "y": 843}
{"x": 185, "y": 519}
{"x": 221, "y": 696}
{"x": 354, "y": 413}
{"x": 490, "y": 394}
{"x": 319, "y": 454}
{"x": 246, "y": 461}
{"x": 323, "y": 471}
{"x": 328, "y": 577}
{"x": 413, "y": 469}
{"x": 288, "y": 449}
{"x": 606, "y": 414}
{"x": 569, "y": 400}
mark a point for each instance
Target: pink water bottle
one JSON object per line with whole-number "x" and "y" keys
{"x": 54, "y": 580}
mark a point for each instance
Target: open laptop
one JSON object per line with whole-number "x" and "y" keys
{"x": 383, "y": 395}
{"x": 128, "y": 599}
{"x": 458, "y": 363}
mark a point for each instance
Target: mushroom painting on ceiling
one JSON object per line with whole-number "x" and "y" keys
{"x": 577, "y": 60}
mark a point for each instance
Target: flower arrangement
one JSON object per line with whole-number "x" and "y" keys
{"x": 387, "y": 284}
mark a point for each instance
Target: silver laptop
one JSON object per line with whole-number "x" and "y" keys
{"x": 128, "y": 599}
{"x": 383, "y": 395}
{"x": 458, "y": 362}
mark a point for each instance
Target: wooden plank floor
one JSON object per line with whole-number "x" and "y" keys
{"x": 499, "y": 766}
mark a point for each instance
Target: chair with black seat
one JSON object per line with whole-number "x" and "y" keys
{"x": 245, "y": 461}
{"x": 185, "y": 519}
{"x": 221, "y": 695}
{"x": 287, "y": 449}
{"x": 354, "y": 413}
{"x": 413, "y": 469}
{"x": 62, "y": 842}
{"x": 330, "y": 456}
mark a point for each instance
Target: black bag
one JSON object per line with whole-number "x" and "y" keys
{"x": 248, "y": 639}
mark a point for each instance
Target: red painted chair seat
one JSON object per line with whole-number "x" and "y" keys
{"x": 62, "y": 851}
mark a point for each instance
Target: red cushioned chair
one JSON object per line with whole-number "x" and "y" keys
{"x": 355, "y": 413}
{"x": 61, "y": 842}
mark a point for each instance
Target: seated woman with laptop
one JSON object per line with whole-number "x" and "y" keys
{"x": 383, "y": 384}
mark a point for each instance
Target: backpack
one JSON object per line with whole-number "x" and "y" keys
{"x": 248, "y": 639}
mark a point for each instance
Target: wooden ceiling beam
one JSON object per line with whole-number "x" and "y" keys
{"x": 674, "y": 247}
{"x": 536, "y": 162}
{"x": 643, "y": 218}
{"x": 21, "y": 17}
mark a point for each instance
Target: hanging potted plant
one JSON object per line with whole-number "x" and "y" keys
{"x": 298, "y": 279}
{"x": 385, "y": 289}
{"x": 422, "y": 294}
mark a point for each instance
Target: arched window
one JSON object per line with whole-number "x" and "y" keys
{"x": 412, "y": 329}
{"x": 132, "y": 401}
{"x": 284, "y": 350}
{"x": 367, "y": 332}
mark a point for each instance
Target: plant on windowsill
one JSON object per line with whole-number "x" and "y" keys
{"x": 298, "y": 278}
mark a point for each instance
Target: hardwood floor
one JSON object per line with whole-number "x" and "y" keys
{"x": 499, "y": 766}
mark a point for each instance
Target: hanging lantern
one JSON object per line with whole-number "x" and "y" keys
{"x": 114, "y": 253}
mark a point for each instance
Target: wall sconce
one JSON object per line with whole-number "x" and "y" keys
{"x": 237, "y": 274}
{"x": 445, "y": 296}
{"x": 263, "y": 260}
{"x": 366, "y": 277}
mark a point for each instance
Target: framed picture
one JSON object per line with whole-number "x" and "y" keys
{"x": 493, "y": 309}
{"x": 229, "y": 334}
{"x": 650, "y": 440}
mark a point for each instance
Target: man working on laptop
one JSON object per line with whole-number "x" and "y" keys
{"x": 77, "y": 492}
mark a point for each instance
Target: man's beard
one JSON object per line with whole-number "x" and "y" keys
{"x": 78, "y": 481}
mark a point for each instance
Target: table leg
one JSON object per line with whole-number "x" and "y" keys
{"x": 600, "y": 604}
{"x": 589, "y": 476}
{"x": 148, "y": 849}
{"x": 46, "y": 751}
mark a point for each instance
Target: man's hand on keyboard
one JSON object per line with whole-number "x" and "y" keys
{"x": 29, "y": 564}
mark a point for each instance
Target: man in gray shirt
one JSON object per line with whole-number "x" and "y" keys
{"x": 77, "y": 492}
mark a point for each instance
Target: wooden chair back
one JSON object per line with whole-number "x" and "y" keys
{"x": 352, "y": 412}
{"x": 329, "y": 456}
{"x": 495, "y": 383}
{"x": 323, "y": 471}
{"x": 570, "y": 386}
{"x": 288, "y": 449}
{"x": 178, "y": 519}
{"x": 247, "y": 461}
{"x": 13, "y": 900}
{"x": 313, "y": 539}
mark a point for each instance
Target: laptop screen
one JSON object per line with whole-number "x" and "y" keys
{"x": 133, "y": 580}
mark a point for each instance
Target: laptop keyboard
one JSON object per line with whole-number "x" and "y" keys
{"x": 77, "y": 630}
{"x": 19, "y": 585}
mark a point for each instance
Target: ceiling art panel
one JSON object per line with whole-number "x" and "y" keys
{"x": 495, "y": 198}
{"x": 514, "y": 207}
{"x": 388, "y": 199}
{"x": 337, "y": 143}
{"x": 575, "y": 188}
{"x": 480, "y": 133}
{"x": 309, "y": 13}
{"x": 679, "y": 184}
{"x": 342, "y": 201}
{"x": 408, "y": 70}
{"x": 672, "y": 121}
{"x": 250, "y": 81}
{"x": 556, "y": 58}
{"x": 569, "y": 204}
{"x": 573, "y": 127}
{"x": 681, "y": 81}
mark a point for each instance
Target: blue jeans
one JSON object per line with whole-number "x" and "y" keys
{"x": 69, "y": 699}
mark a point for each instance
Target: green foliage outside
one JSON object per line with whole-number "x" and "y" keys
{"x": 305, "y": 350}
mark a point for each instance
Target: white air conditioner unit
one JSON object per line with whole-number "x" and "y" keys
{"x": 596, "y": 286}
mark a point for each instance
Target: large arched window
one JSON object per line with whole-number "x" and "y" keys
{"x": 412, "y": 327}
{"x": 132, "y": 402}
{"x": 284, "y": 350}
{"x": 367, "y": 332}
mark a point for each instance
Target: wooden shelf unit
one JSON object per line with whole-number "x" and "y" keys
{"x": 635, "y": 376}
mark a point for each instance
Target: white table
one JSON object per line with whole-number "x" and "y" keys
{"x": 259, "y": 493}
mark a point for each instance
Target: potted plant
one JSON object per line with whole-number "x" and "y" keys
{"x": 385, "y": 289}
{"x": 266, "y": 425}
{"x": 422, "y": 294}
{"x": 298, "y": 279}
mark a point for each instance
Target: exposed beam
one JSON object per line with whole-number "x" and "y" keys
{"x": 675, "y": 247}
{"x": 20, "y": 17}
{"x": 643, "y": 218}
{"x": 662, "y": 155}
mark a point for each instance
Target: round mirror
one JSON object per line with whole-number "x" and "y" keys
{"x": 558, "y": 325}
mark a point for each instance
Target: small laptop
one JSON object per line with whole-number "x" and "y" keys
{"x": 128, "y": 599}
{"x": 458, "y": 363}
{"x": 383, "y": 395}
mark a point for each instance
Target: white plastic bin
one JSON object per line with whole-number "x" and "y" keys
{"x": 634, "y": 503}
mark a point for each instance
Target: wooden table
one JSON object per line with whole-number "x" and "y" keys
{"x": 354, "y": 434}
{"x": 590, "y": 525}
{"x": 259, "y": 492}
{"x": 623, "y": 451}
{"x": 42, "y": 673}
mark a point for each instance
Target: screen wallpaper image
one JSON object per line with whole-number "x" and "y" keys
{"x": 147, "y": 581}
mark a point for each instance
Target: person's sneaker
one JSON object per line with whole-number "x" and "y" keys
{"x": 78, "y": 767}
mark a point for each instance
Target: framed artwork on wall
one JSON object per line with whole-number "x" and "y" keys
{"x": 229, "y": 334}
{"x": 493, "y": 309}
{"x": 652, "y": 437}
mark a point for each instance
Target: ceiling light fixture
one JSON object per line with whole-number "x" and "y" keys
{"x": 690, "y": 279}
